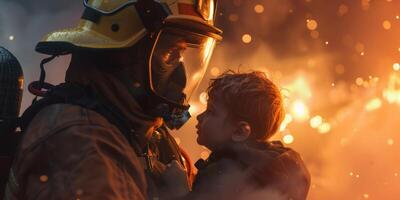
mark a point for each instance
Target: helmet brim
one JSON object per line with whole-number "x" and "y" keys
{"x": 193, "y": 24}
{"x": 68, "y": 40}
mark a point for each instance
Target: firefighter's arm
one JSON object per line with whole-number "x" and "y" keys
{"x": 85, "y": 162}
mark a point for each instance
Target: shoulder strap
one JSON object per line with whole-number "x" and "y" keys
{"x": 76, "y": 95}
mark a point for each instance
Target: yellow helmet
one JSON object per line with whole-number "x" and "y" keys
{"x": 113, "y": 24}
{"x": 183, "y": 38}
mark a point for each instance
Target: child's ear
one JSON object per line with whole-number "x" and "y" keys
{"x": 242, "y": 132}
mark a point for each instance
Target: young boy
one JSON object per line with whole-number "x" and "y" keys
{"x": 244, "y": 111}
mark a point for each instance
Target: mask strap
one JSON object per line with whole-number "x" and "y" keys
{"x": 36, "y": 87}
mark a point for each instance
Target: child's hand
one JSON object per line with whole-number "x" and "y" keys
{"x": 176, "y": 180}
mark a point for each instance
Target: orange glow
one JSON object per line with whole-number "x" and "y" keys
{"x": 259, "y": 8}
{"x": 342, "y": 10}
{"x": 373, "y": 104}
{"x": 324, "y": 128}
{"x": 203, "y": 98}
{"x": 396, "y": 66}
{"x": 300, "y": 110}
{"x": 246, "y": 38}
{"x": 312, "y": 24}
{"x": 314, "y": 34}
{"x": 386, "y": 25}
{"x": 316, "y": 121}
{"x": 288, "y": 139}
{"x": 215, "y": 71}
{"x": 392, "y": 92}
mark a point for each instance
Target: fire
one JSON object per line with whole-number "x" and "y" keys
{"x": 300, "y": 110}
{"x": 396, "y": 66}
{"x": 373, "y": 104}
{"x": 392, "y": 92}
{"x": 324, "y": 128}
{"x": 316, "y": 121}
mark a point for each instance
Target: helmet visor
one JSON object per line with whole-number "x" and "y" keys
{"x": 178, "y": 63}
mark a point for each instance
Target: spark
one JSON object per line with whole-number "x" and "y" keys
{"x": 203, "y": 98}
{"x": 359, "y": 81}
{"x": 366, "y": 196}
{"x": 259, "y": 8}
{"x": 246, "y": 38}
{"x": 196, "y": 76}
{"x": 387, "y": 25}
{"x": 333, "y": 84}
{"x": 351, "y": 173}
{"x": 362, "y": 53}
{"x": 233, "y": 17}
{"x": 43, "y": 178}
{"x": 214, "y": 71}
{"x": 316, "y": 121}
{"x": 324, "y": 128}
{"x": 396, "y": 66}
{"x": 288, "y": 139}
{"x": 326, "y": 42}
{"x": 312, "y": 24}
{"x": 11, "y": 37}
{"x": 373, "y": 104}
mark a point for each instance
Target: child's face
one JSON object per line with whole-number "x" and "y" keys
{"x": 214, "y": 128}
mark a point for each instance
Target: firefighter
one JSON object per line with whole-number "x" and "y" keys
{"x": 103, "y": 134}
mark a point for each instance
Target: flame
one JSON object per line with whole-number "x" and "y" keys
{"x": 392, "y": 92}
{"x": 300, "y": 110}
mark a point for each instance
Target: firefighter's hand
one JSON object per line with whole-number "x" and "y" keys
{"x": 176, "y": 180}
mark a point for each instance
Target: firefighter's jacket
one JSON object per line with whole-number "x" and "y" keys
{"x": 70, "y": 152}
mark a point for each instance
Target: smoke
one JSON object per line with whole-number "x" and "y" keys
{"x": 231, "y": 182}
{"x": 24, "y": 23}
{"x": 357, "y": 158}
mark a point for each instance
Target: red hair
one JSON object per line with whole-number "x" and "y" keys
{"x": 250, "y": 97}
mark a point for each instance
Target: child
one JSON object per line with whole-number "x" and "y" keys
{"x": 244, "y": 111}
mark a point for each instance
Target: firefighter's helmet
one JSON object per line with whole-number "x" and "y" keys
{"x": 183, "y": 32}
